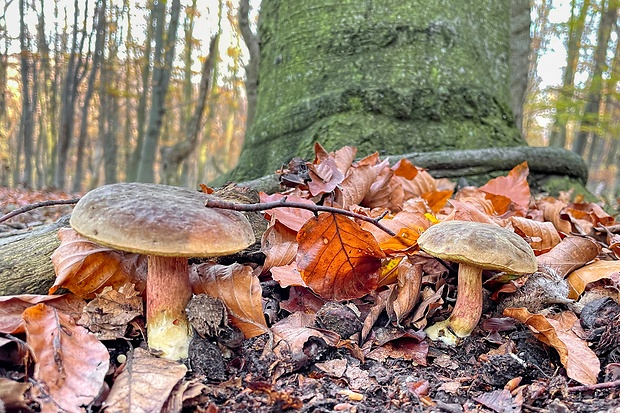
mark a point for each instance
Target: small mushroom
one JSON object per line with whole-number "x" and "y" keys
{"x": 476, "y": 247}
{"x": 169, "y": 224}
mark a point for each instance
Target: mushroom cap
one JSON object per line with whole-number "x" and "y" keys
{"x": 487, "y": 246}
{"x": 159, "y": 220}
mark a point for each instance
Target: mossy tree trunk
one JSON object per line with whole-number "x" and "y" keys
{"x": 380, "y": 75}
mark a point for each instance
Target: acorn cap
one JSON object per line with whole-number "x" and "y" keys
{"x": 487, "y": 246}
{"x": 159, "y": 220}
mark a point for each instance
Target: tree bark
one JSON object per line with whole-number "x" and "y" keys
{"x": 26, "y": 130}
{"x": 519, "y": 56}
{"x": 399, "y": 76}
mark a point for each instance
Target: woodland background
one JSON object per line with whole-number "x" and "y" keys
{"x": 102, "y": 91}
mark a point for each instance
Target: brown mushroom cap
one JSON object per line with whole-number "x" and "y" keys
{"x": 483, "y": 245}
{"x": 159, "y": 220}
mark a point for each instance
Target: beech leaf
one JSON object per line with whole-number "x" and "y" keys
{"x": 579, "y": 279}
{"x": 579, "y": 360}
{"x": 238, "y": 288}
{"x": 279, "y": 244}
{"x": 85, "y": 268}
{"x": 513, "y": 186}
{"x": 568, "y": 255}
{"x": 70, "y": 362}
{"x": 144, "y": 384}
{"x": 543, "y": 235}
{"x": 291, "y": 333}
{"x": 337, "y": 259}
{"x": 13, "y": 306}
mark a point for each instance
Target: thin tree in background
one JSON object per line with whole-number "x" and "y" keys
{"x": 99, "y": 25}
{"x": 576, "y": 28}
{"x": 74, "y": 75}
{"x": 162, "y": 58}
{"x": 251, "y": 68}
{"x": 173, "y": 156}
{"x": 5, "y": 160}
{"x": 594, "y": 97}
{"x": 26, "y": 135}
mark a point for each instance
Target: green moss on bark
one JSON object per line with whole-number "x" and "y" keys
{"x": 380, "y": 75}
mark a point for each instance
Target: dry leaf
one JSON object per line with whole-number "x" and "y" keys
{"x": 552, "y": 211}
{"x": 337, "y": 259}
{"x": 568, "y": 255}
{"x": 579, "y": 279}
{"x": 436, "y": 200}
{"x": 287, "y": 275}
{"x": 291, "y": 333}
{"x": 293, "y": 218}
{"x": 109, "y": 313}
{"x": 404, "y": 295}
{"x": 12, "y": 395}
{"x": 579, "y": 360}
{"x": 238, "y": 288}
{"x": 145, "y": 383}
{"x": 279, "y": 244}
{"x": 356, "y": 185}
{"x": 85, "y": 268}
{"x": 513, "y": 186}
{"x": 70, "y": 362}
{"x": 543, "y": 235}
{"x": 12, "y": 307}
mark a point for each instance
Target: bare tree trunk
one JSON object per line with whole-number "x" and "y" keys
{"x": 251, "y": 69}
{"x": 591, "y": 111}
{"x": 73, "y": 78}
{"x": 27, "y": 119}
{"x": 173, "y": 156}
{"x": 132, "y": 167}
{"x": 99, "y": 24}
{"x": 519, "y": 56}
{"x": 576, "y": 26}
{"x": 163, "y": 60}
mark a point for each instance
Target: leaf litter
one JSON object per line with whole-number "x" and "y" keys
{"x": 332, "y": 319}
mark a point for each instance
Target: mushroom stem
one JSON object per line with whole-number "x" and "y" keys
{"x": 467, "y": 309}
{"x": 167, "y": 293}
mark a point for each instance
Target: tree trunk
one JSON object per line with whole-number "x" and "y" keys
{"x": 251, "y": 68}
{"x": 591, "y": 111}
{"x": 73, "y": 78}
{"x": 519, "y": 56}
{"x": 26, "y": 130}
{"x": 100, "y": 34}
{"x": 163, "y": 59}
{"x": 173, "y": 156}
{"x": 391, "y": 75}
{"x": 576, "y": 26}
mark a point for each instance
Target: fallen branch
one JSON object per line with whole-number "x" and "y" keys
{"x": 261, "y": 206}
{"x": 36, "y": 205}
{"x": 597, "y": 386}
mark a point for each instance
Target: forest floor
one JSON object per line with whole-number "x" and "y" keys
{"x": 493, "y": 370}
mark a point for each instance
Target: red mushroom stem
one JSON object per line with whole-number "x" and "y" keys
{"x": 168, "y": 291}
{"x": 468, "y": 307}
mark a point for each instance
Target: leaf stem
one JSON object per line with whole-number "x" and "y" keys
{"x": 283, "y": 203}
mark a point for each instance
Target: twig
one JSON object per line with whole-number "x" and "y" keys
{"x": 36, "y": 205}
{"x": 598, "y": 386}
{"x": 261, "y": 206}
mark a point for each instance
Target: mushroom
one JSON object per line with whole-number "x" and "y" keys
{"x": 475, "y": 246}
{"x": 170, "y": 225}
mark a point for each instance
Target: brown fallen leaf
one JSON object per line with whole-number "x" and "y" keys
{"x": 552, "y": 211}
{"x": 291, "y": 333}
{"x": 337, "y": 259}
{"x": 70, "y": 363}
{"x": 108, "y": 314}
{"x": 513, "y": 186}
{"x": 12, "y": 307}
{"x": 145, "y": 383}
{"x": 579, "y": 279}
{"x": 543, "y": 235}
{"x": 579, "y": 360}
{"x": 501, "y": 401}
{"x": 238, "y": 288}
{"x": 356, "y": 185}
{"x": 85, "y": 268}
{"x": 570, "y": 254}
{"x": 293, "y": 218}
{"x": 404, "y": 295}
{"x": 279, "y": 244}
{"x": 12, "y": 395}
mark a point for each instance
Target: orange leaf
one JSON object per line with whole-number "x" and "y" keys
{"x": 405, "y": 169}
{"x": 70, "y": 362}
{"x": 543, "y": 235}
{"x": 571, "y": 253}
{"x": 279, "y": 244}
{"x": 238, "y": 289}
{"x": 337, "y": 259}
{"x": 552, "y": 211}
{"x": 85, "y": 268}
{"x": 579, "y": 279}
{"x": 437, "y": 199}
{"x": 405, "y": 241}
{"x": 579, "y": 360}
{"x": 513, "y": 186}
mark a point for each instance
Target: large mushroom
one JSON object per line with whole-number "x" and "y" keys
{"x": 169, "y": 224}
{"x": 476, "y": 247}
